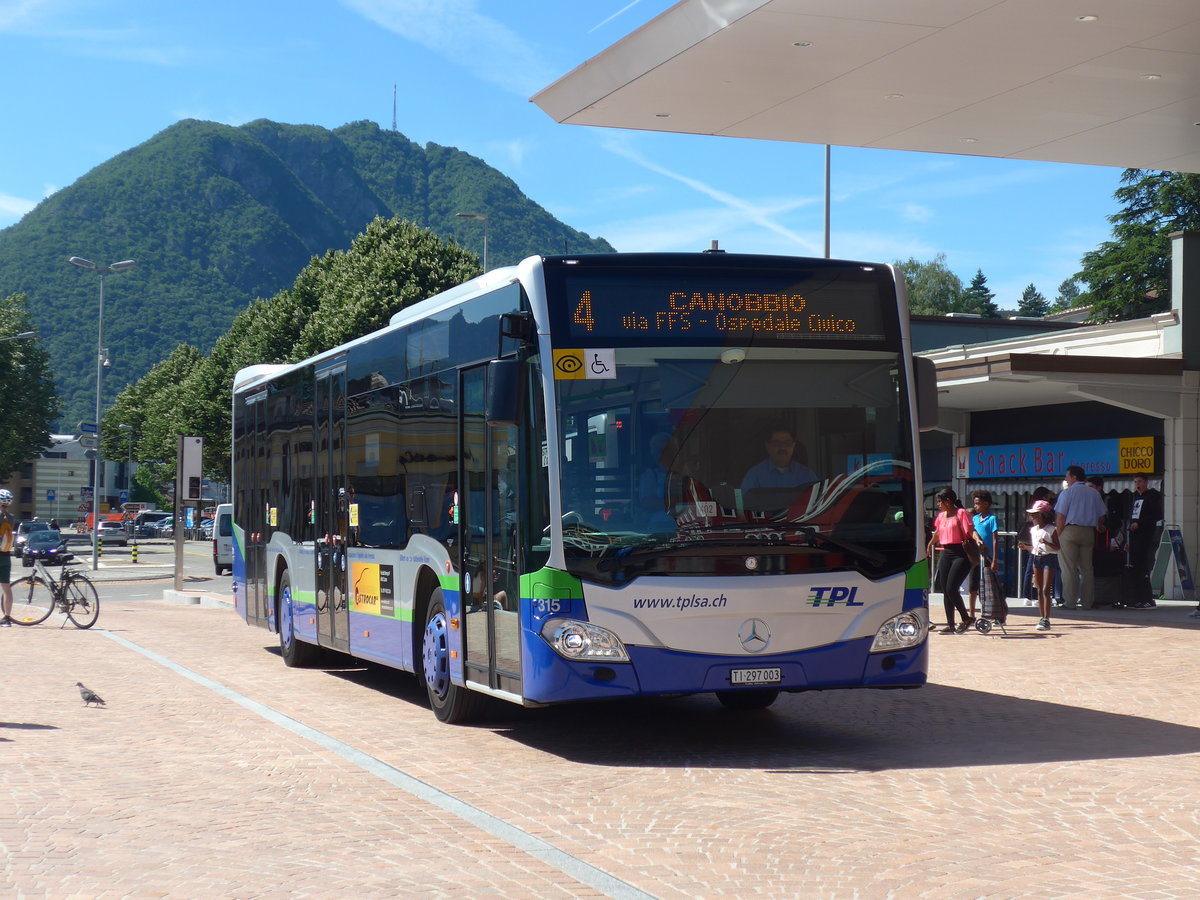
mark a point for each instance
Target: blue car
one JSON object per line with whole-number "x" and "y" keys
{"x": 48, "y": 546}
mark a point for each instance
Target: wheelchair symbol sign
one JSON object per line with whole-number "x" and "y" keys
{"x": 571, "y": 365}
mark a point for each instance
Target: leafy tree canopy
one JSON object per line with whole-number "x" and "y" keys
{"x": 933, "y": 290}
{"x": 1129, "y": 277}
{"x": 28, "y": 400}
{"x": 336, "y": 297}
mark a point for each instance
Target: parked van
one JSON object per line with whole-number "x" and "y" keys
{"x": 223, "y": 539}
{"x": 144, "y": 522}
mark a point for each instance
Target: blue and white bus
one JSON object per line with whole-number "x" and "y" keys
{"x": 535, "y": 486}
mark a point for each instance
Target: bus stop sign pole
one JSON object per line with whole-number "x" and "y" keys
{"x": 188, "y": 463}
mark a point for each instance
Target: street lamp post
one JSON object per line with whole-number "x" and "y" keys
{"x": 18, "y": 337}
{"x": 101, "y": 271}
{"x": 484, "y": 219}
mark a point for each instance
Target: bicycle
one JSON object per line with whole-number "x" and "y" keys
{"x": 38, "y": 594}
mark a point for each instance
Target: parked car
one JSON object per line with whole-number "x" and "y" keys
{"x": 113, "y": 533}
{"x": 163, "y": 528}
{"x": 49, "y": 546}
{"x": 25, "y": 529}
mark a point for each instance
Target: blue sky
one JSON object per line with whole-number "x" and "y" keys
{"x": 84, "y": 80}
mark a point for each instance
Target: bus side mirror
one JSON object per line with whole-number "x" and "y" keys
{"x": 502, "y": 402}
{"x": 925, "y": 382}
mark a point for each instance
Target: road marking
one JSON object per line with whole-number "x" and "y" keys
{"x": 573, "y": 866}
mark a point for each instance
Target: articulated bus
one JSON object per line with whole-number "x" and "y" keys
{"x": 600, "y": 476}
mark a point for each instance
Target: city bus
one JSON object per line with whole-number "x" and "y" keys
{"x": 535, "y": 486}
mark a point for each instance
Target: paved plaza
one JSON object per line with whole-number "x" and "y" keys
{"x": 1034, "y": 765}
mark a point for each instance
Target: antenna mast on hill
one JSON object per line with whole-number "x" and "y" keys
{"x": 393, "y": 107}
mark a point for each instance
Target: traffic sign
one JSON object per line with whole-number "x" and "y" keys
{"x": 50, "y": 495}
{"x": 89, "y": 428}
{"x": 89, "y": 441}
{"x": 85, "y": 492}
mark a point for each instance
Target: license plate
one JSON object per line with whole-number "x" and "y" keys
{"x": 756, "y": 676}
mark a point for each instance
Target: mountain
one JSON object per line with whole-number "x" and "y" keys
{"x": 216, "y": 216}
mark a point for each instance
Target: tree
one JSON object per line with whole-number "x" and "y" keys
{"x": 29, "y": 403}
{"x": 1033, "y": 303}
{"x": 151, "y": 407}
{"x": 1129, "y": 277}
{"x": 977, "y": 298}
{"x": 335, "y": 298}
{"x": 1068, "y": 295}
{"x": 933, "y": 290}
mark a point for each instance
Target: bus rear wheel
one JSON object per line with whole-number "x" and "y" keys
{"x": 747, "y": 699}
{"x": 295, "y": 652}
{"x": 451, "y": 703}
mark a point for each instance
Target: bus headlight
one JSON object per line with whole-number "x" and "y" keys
{"x": 905, "y": 630}
{"x": 572, "y": 639}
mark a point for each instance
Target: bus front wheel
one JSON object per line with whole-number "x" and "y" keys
{"x": 451, "y": 703}
{"x": 747, "y": 699}
{"x": 295, "y": 652}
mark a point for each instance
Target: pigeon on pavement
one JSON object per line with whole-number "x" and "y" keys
{"x": 89, "y": 696}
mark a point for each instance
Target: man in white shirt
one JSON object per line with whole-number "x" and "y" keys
{"x": 1078, "y": 514}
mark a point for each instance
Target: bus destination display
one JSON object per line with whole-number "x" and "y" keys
{"x": 627, "y": 307}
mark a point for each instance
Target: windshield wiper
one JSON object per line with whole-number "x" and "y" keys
{"x": 874, "y": 557}
{"x": 776, "y": 534}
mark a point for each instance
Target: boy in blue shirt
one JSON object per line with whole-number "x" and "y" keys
{"x": 986, "y": 527}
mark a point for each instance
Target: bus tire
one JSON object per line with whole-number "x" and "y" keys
{"x": 747, "y": 699}
{"x": 450, "y": 702}
{"x": 295, "y": 652}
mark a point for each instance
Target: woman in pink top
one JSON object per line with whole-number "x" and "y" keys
{"x": 951, "y": 530}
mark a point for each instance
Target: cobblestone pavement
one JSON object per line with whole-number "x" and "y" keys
{"x": 1064, "y": 764}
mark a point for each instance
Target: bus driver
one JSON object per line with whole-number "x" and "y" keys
{"x": 778, "y": 470}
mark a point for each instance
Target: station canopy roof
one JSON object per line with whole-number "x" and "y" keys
{"x": 1100, "y": 82}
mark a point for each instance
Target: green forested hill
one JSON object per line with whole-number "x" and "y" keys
{"x": 216, "y": 216}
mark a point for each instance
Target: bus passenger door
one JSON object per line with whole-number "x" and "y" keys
{"x": 253, "y": 498}
{"x": 331, "y": 512}
{"x": 488, "y": 514}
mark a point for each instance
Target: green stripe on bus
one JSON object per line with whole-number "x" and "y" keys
{"x": 917, "y": 576}
{"x": 551, "y": 584}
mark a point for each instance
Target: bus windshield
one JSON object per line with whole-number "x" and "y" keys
{"x": 721, "y": 460}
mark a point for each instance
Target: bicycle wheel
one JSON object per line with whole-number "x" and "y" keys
{"x": 83, "y": 604}
{"x": 33, "y": 601}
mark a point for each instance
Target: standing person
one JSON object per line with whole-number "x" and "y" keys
{"x": 7, "y": 536}
{"x": 1044, "y": 553}
{"x": 1078, "y": 516}
{"x": 1028, "y": 588}
{"x": 1145, "y": 517}
{"x": 951, "y": 530}
{"x": 986, "y": 527}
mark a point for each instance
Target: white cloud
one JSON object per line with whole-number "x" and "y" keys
{"x": 620, "y": 12}
{"x": 735, "y": 209}
{"x": 457, "y": 31}
{"x": 514, "y": 150}
{"x": 12, "y": 208}
{"x": 15, "y": 15}
{"x": 916, "y": 212}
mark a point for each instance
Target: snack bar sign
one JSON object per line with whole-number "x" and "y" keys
{"x": 1043, "y": 460}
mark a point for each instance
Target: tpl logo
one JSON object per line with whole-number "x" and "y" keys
{"x": 832, "y": 596}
